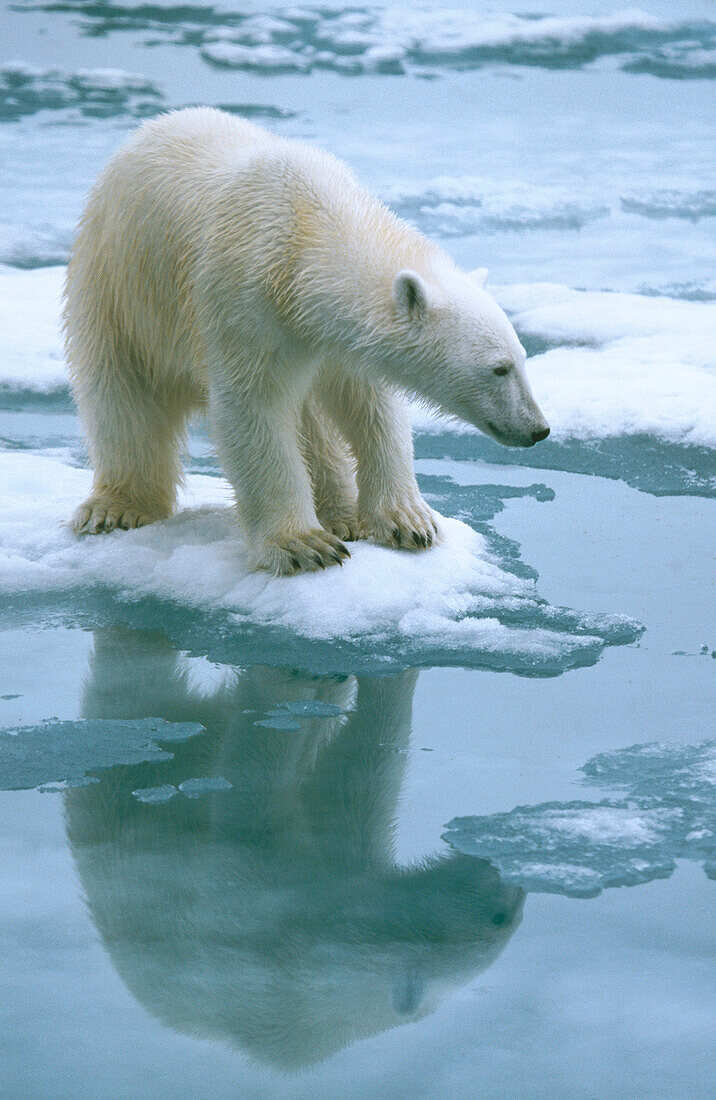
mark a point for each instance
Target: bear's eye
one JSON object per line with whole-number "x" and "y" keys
{"x": 502, "y": 369}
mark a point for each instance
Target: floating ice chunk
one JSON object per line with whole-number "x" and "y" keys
{"x": 267, "y": 58}
{"x": 25, "y": 90}
{"x": 385, "y": 58}
{"x": 284, "y": 723}
{"x": 155, "y": 794}
{"x": 580, "y": 848}
{"x": 458, "y": 206}
{"x": 286, "y": 717}
{"x": 195, "y": 788}
{"x": 66, "y": 751}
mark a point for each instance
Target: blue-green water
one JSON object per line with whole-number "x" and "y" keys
{"x": 225, "y": 862}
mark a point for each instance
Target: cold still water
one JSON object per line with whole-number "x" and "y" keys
{"x": 433, "y": 825}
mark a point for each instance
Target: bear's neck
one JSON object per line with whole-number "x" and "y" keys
{"x": 343, "y": 291}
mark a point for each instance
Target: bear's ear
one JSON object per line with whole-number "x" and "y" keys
{"x": 479, "y": 276}
{"x": 410, "y": 293}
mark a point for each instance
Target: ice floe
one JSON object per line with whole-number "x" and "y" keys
{"x": 396, "y": 39}
{"x": 580, "y": 848}
{"x": 26, "y": 89}
{"x": 615, "y": 364}
{"x": 32, "y": 357}
{"x": 456, "y": 604}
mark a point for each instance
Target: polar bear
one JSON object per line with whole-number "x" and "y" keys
{"x": 218, "y": 266}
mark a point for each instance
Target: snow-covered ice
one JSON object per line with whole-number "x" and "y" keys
{"x": 616, "y": 364}
{"x": 455, "y": 603}
{"x": 399, "y": 39}
{"x": 32, "y": 358}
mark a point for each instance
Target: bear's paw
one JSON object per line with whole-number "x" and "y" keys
{"x": 301, "y": 552}
{"x": 404, "y": 525}
{"x": 99, "y": 516}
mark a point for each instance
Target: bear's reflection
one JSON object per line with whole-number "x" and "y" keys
{"x": 273, "y": 915}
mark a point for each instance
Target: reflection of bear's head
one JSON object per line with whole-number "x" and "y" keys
{"x": 273, "y": 914}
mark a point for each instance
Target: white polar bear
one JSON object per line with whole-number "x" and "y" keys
{"x": 219, "y": 266}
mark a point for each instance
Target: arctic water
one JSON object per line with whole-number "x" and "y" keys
{"x": 431, "y": 825}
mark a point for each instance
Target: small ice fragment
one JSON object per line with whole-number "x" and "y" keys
{"x": 285, "y": 723}
{"x": 155, "y": 794}
{"x": 194, "y": 788}
{"x": 57, "y": 788}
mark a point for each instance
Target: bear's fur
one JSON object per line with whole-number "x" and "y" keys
{"x": 220, "y": 267}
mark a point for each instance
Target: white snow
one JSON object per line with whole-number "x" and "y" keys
{"x": 32, "y": 355}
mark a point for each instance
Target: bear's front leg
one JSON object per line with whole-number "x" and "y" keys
{"x": 391, "y": 509}
{"x": 257, "y": 440}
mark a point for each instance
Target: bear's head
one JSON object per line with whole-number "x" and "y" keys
{"x": 460, "y": 352}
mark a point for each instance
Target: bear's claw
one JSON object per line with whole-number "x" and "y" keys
{"x": 304, "y": 553}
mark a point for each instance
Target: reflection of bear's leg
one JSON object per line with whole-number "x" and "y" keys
{"x": 332, "y": 470}
{"x": 356, "y": 783}
{"x": 133, "y": 437}
{"x": 376, "y": 424}
{"x": 256, "y": 431}
{"x": 136, "y": 674}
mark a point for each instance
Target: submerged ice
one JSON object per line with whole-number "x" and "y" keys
{"x": 580, "y": 848}
{"x": 65, "y": 752}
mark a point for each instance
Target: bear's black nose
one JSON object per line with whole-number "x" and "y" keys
{"x": 537, "y": 437}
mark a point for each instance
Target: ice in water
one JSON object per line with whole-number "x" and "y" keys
{"x": 580, "y": 848}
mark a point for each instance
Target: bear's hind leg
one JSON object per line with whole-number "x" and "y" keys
{"x": 332, "y": 469}
{"x": 133, "y": 437}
